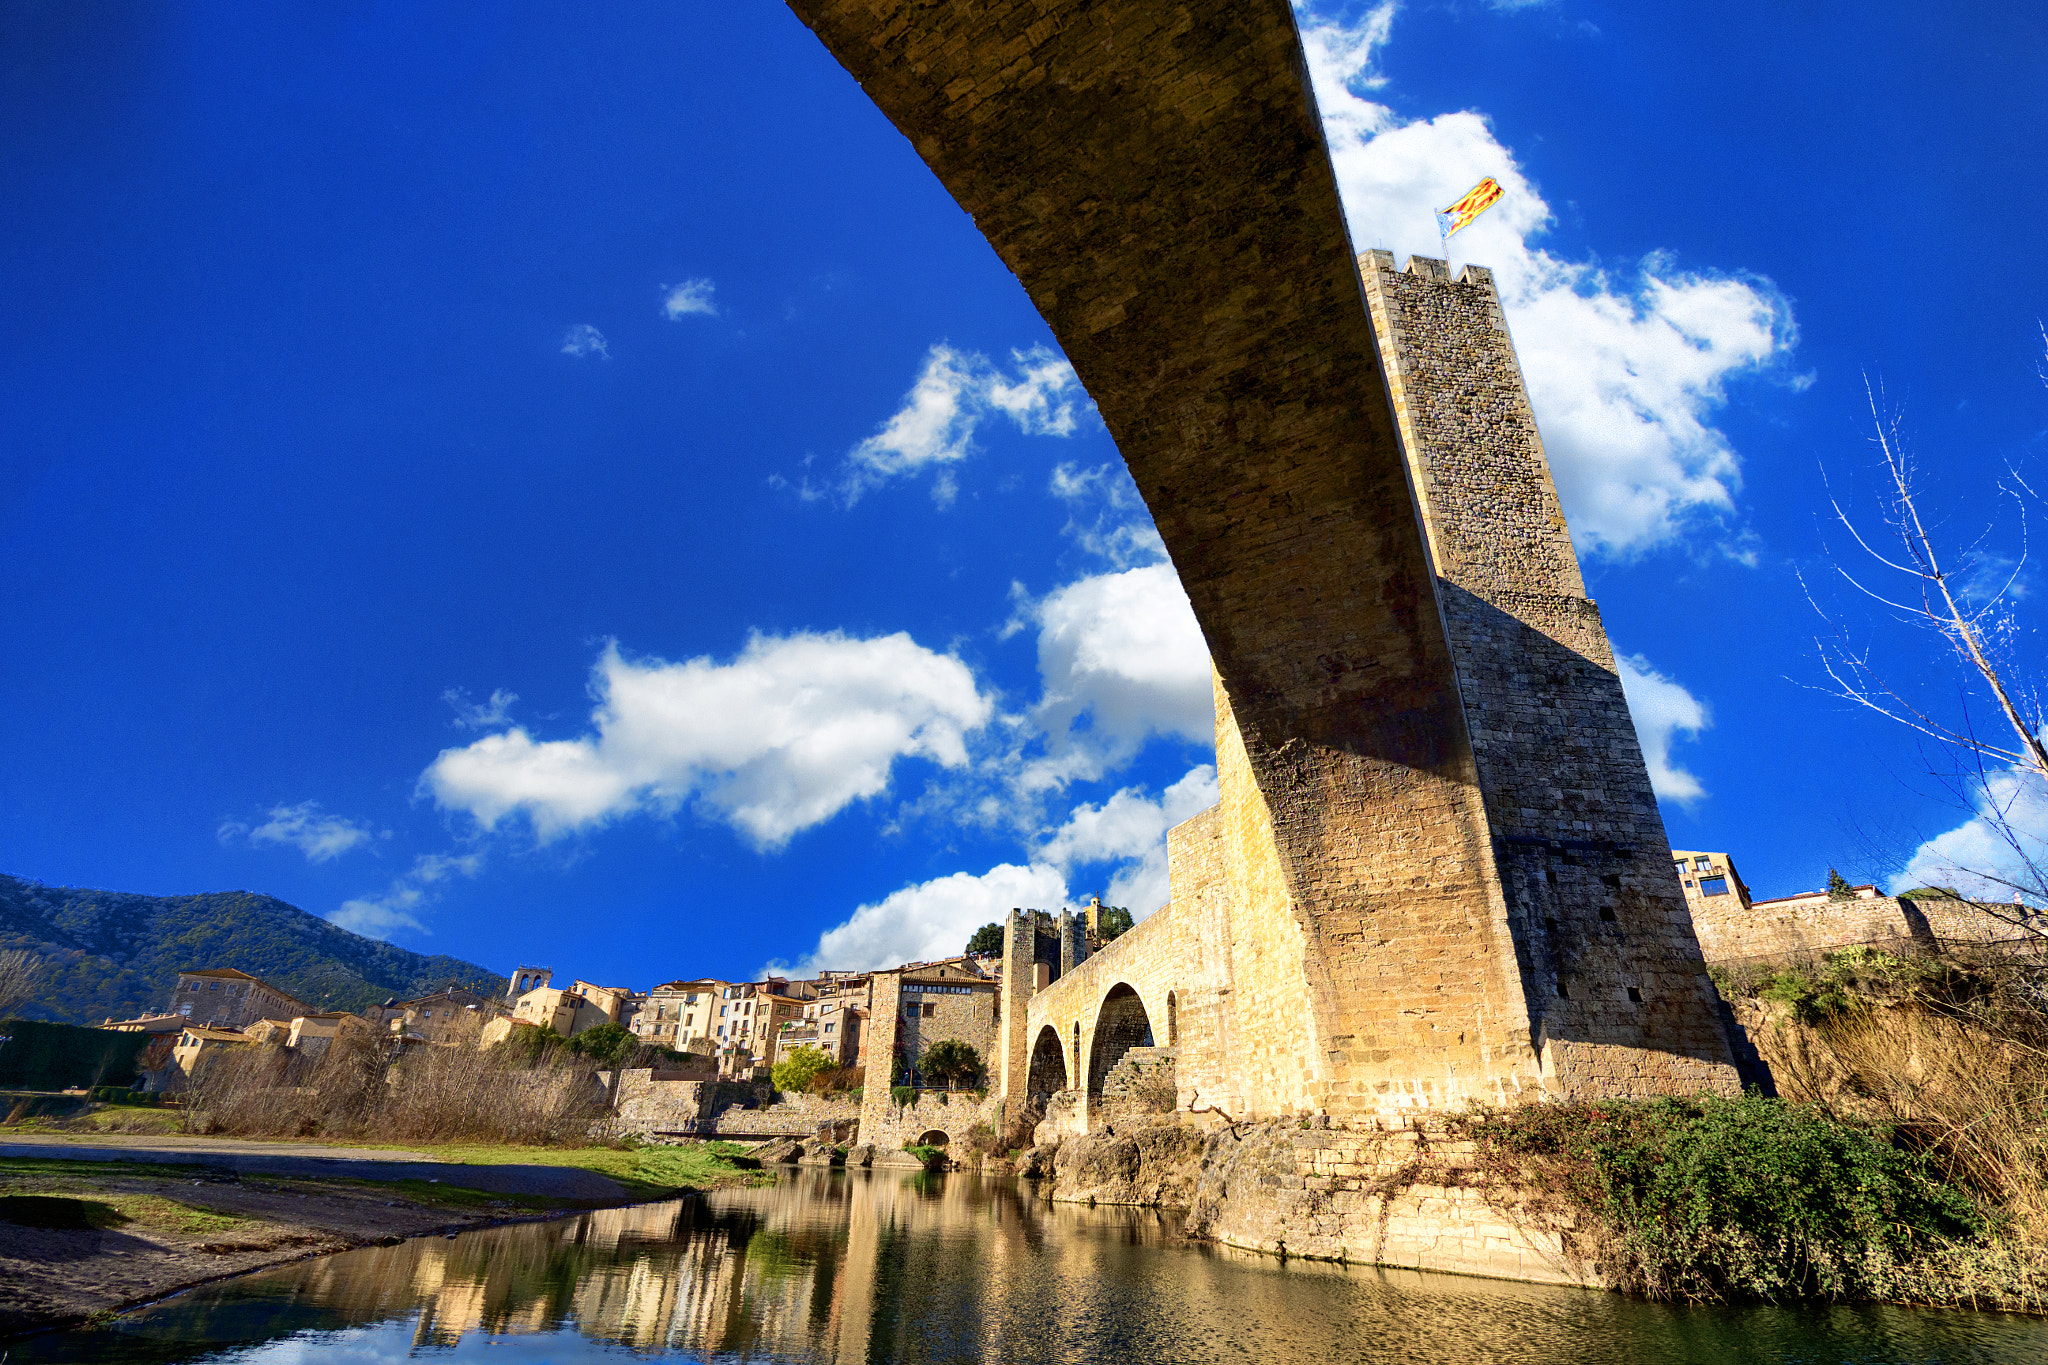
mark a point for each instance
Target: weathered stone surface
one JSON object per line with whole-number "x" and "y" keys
{"x": 1152, "y": 1162}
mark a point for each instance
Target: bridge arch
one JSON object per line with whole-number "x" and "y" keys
{"x": 1048, "y": 1065}
{"x": 1120, "y": 1025}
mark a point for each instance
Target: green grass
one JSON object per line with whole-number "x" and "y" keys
{"x": 112, "y": 1211}
{"x": 651, "y": 1172}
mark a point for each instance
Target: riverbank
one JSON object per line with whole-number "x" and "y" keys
{"x": 89, "y": 1226}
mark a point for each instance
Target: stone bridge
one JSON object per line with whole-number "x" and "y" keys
{"x": 1437, "y": 871}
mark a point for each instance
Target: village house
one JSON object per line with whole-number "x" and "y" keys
{"x": 678, "y": 1015}
{"x": 223, "y": 998}
{"x": 749, "y": 1016}
{"x": 198, "y": 1042}
{"x": 312, "y": 1034}
{"x": 451, "y": 1017}
{"x": 567, "y": 1012}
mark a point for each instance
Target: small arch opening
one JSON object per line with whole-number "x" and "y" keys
{"x": 933, "y": 1137}
{"x": 1048, "y": 1065}
{"x": 1172, "y": 1020}
{"x": 1120, "y": 1025}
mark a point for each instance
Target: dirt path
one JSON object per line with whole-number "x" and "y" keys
{"x": 92, "y": 1226}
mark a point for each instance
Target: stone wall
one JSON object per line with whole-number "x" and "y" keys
{"x": 1406, "y": 1197}
{"x": 1802, "y": 928}
{"x": 886, "y": 1127}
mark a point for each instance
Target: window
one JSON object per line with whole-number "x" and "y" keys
{"x": 828, "y": 1028}
{"x": 1713, "y": 886}
{"x": 1702, "y": 863}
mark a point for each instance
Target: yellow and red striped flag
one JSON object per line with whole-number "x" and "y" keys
{"x": 1477, "y": 200}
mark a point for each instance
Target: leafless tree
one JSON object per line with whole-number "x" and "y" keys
{"x": 21, "y": 973}
{"x": 1966, "y": 600}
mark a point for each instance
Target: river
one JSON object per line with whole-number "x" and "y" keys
{"x": 833, "y": 1266}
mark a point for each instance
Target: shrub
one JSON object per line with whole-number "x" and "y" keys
{"x": 800, "y": 1069}
{"x": 934, "y": 1158}
{"x": 432, "y": 1095}
{"x": 1748, "y": 1198}
{"x": 952, "y": 1061}
{"x": 902, "y": 1094}
{"x": 609, "y": 1045}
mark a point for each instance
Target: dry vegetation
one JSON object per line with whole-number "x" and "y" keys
{"x": 352, "y": 1091}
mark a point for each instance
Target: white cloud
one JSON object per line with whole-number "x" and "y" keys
{"x": 1121, "y": 659}
{"x": 931, "y": 920}
{"x": 691, "y": 296}
{"x": 1663, "y": 708}
{"x": 320, "y": 836}
{"x": 381, "y": 916}
{"x": 782, "y": 738}
{"x": 1625, "y": 369}
{"x": 1129, "y": 829}
{"x": 384, "y": 913}
{"x": 483, "y": 715}
{"x": 1979, "y": 859}
{"x": 954, "y": 392}
{"x": 1105, "y": 515}
{"x": 583, "y": 339}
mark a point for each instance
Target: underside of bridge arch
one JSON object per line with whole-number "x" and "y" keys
{"x": 1048, "y": 1065}
{"x": 1120, "y": 1025}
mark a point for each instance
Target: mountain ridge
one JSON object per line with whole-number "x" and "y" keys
{"x": 117, "y": 954}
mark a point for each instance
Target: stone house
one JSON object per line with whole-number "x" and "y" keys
{"x": 1706, "y": 877}
{"x": 567, "y": 1012}
{"x": 749, "y": 1016}
{"x": 453, "y": 1017}
{"x": 312, "y": 1034}
{"x": 679, "y": 1014}
{"x": 198, "y": 1042}
{"x": 832, "y": 1025}
{"x": 941, "y": 1005}
{"x": 221, "y": 997}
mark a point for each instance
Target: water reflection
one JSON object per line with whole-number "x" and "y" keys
{"x": 853, "y": 1267}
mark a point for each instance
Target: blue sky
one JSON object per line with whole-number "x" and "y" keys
{"x": 566, "y": 485}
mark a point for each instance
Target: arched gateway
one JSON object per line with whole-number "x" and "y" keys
{"x": 1394, "y": 906}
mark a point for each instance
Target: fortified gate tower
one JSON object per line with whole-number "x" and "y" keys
{"x": 1436, "y": 872}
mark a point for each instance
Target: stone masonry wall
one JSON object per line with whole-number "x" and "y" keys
{"x": 957, "y": 1010}
{"x": 1602, "y": 939}
{"x": 885, "y": 1020}
{"x": 1730, "y": 930}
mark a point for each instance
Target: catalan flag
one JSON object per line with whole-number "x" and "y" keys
{"x": 1477, "y": 200}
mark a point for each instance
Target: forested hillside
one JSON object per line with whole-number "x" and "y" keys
{"x": 110, "y": 953}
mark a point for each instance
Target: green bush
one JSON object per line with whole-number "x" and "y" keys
{"x": 1747, "y": 1198}
{"x": 608, "y": 1044}
{"x": 803, "y": 1066}
{"x": 934, "y": 1158}
{"x": 902, "y": 1094}
{"x": 951, "y": 1061}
